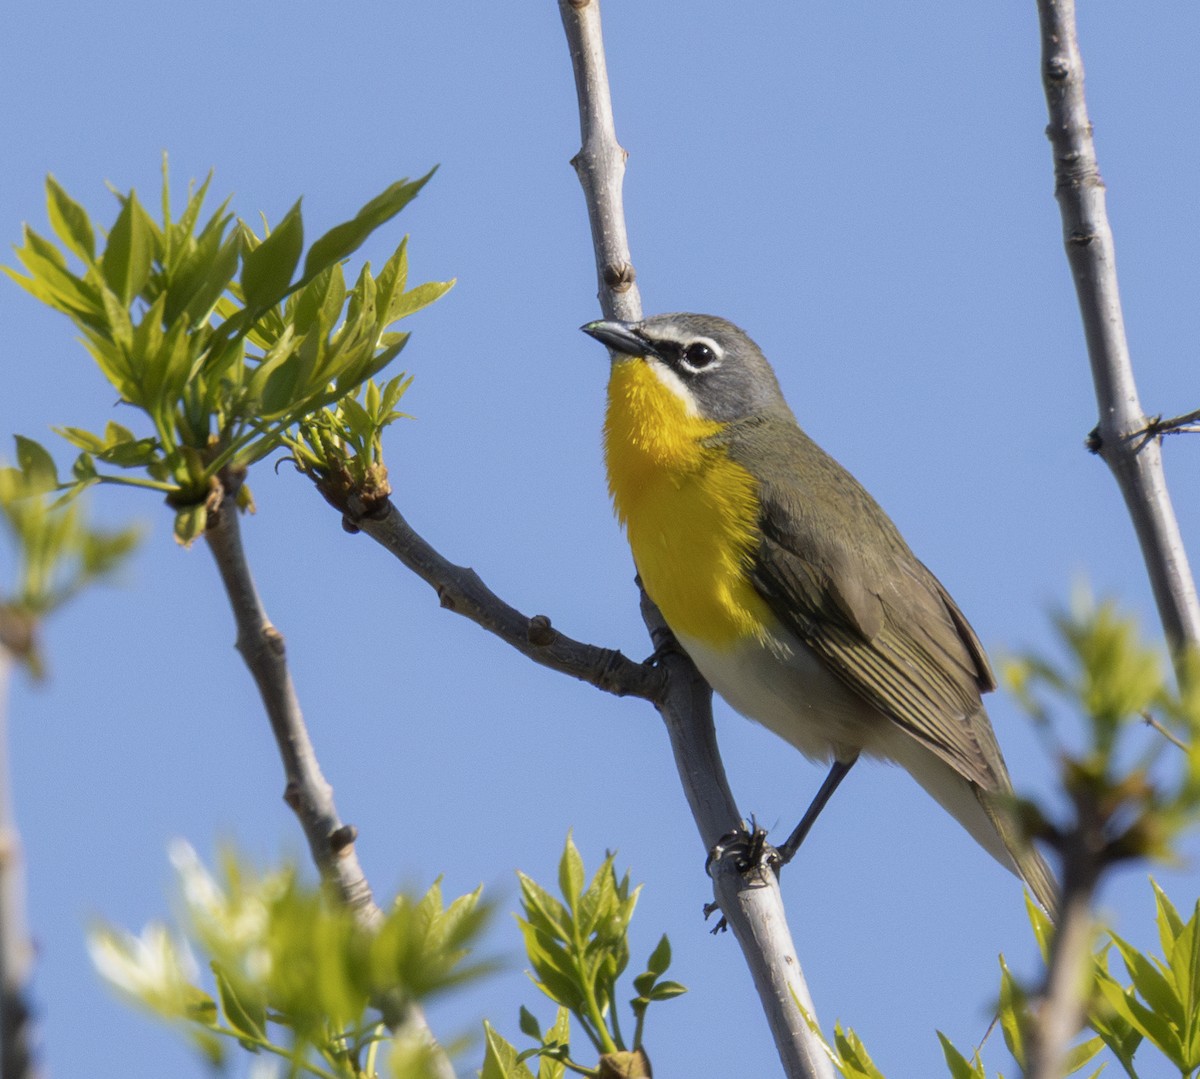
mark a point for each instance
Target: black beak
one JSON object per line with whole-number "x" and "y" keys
{"x": 621, "y": 337}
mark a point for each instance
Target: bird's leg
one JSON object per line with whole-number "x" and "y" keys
{"x": 837, "y": 772}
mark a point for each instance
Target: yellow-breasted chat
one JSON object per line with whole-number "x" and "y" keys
{"x": 788, "y": 586}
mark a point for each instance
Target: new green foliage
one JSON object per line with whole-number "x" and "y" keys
{"x": 52, "y": 550}
{"x": 222, "y": 364}
{"x": 578, "y": 947}
{"x": 293, "y": 973}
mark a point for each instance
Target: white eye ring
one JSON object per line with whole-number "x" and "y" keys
{"x": 699, "y": 356}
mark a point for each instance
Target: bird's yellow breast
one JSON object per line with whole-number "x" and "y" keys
{"x": 690, "y": 512}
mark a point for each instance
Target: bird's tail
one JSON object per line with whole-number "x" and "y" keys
{"x": 985, "y": 813}
{"x": 1029, "y": 864}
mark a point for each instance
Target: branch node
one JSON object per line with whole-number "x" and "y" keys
{"x": 445, "y": 599}
{"x": 291, "y": 795}
{"x": 540, "y": 632}
{"x": 342, "y": 839}
{"x": 1058, "y": 68}
{"x": 620, "y": 276}
{"x": 1094, "y": 442}
{"x": 274, "y": 639}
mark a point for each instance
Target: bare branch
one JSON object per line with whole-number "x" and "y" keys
{"x": 461, "y": 590}
{"x": 600, "y": 163}
{"x": 1176, "y": 424}
{"x": 753, "y": 907}
{"x": 16, "y": 948}
{"x": 307, "y": 792}
{"x": 1135, "y": 460}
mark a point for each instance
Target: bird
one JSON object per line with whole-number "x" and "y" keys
{"x": 788, "y": 586}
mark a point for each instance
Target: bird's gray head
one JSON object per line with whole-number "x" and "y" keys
{"x": 708, "y": 361}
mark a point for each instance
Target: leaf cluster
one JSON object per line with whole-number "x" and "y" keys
{"x": 1132, "y": 795}
{"x": 221, "y": 338}
{"x": 578, "y": 947}
{"x": 1161, "y": 1003}
{"x": 54, "y": 552}
{"x": 341, "y": 448}
{"x": 294, "y": 973}
{"x": 1158, "y": 1007}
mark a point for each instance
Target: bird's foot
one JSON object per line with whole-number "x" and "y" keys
{"x": 751, "y": 856}
{"x": 665, "y": 646}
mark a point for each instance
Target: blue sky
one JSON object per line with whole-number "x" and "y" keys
{"x": 866, "y": 189}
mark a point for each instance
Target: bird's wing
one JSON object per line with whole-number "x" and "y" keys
{"x": 880, "y": 621}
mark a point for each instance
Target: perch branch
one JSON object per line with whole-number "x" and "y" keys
{"x": 753, "y": 907}
{"x": 1135, "y": 460}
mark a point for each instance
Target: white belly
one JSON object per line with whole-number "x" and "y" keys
{"x": 789, "y": 691}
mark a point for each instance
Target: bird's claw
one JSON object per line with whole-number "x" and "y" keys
{"x": 749, "y": 849}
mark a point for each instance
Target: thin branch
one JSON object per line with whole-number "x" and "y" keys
{"x": 461, "y": 590}
{"x": 1170, "y": 736}
{"x": 1063, "y": 1008}
{"x": 753, "y": 907}
{"x": 16, "y": 948}
{"x": 1176, "y": 424}
{"x": 1136, "y": 461}
{"x": 307, "y": 791}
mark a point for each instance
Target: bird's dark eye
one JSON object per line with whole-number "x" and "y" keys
{"x": 698, "y": 356}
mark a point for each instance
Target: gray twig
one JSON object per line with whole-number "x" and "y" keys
{"x": 461, "y": 590}
{"x": 1135, "y": 460}
{"x": 1131, "y": 447}
{"x": 307, "y": 792}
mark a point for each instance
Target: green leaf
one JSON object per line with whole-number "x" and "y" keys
{"x": 37, "y": 465}
{"x": 242, "y": 1012}
{"x": 856, "y": 1063}
{"x": 128, "y": 253}
{"x": 267, "y": 270}
{"x": 1170, "y": 924}
{"x": 660, "y": 958}
{"x": 81, "y": 439}
{"x": 666, "y": 990}
{"x": 555, "y": 973}
{"x": 70, "y": 221}
{"x": 52, "y": 283}
{"x": 500, "y": 1060}
{"x": 344, "y": 239}
{"x": 960, "y": 1067}
{"x": 544, "y": 911}
{"x": 190, "y": 523}
{"x": 1149, "y": 981}
{"x": 421, "y": 297}
{"x": 1079, "y": 1055}
{"x": 319, "y": 304}
{"x": 571, "y": 874}
{"x": 1012, "y": 1012}
{"x": 529, "y": 1025}
{"x": 84, "y": 468}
